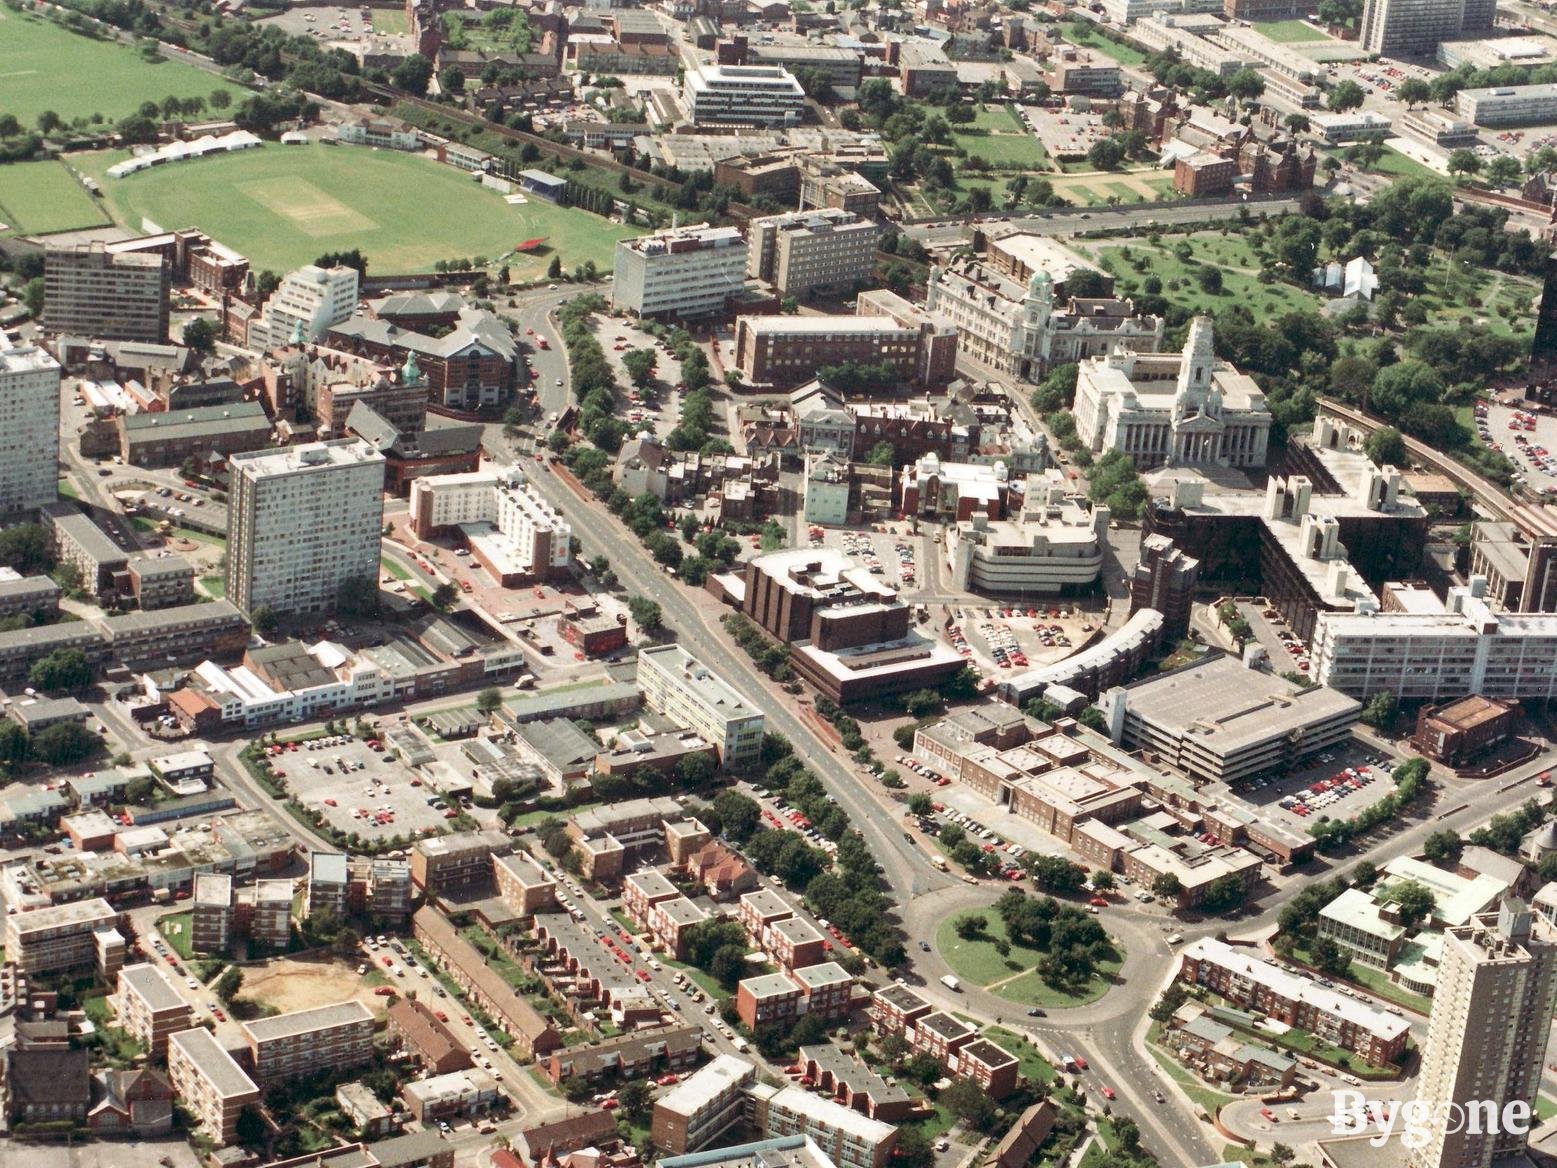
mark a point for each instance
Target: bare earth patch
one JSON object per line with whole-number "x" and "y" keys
{"x": 291, "y": 983}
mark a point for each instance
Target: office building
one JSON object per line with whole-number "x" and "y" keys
{"x": 1436, "y": 651}
{"x": 295, "y": 1045}
{"x": 510, "y": 529}
{"x": 303, "y": 521}
{"x": 89, "y": 291}
{"x": 1184, "y": 409}
{"x": 1487, "y": 1036}
{"x": 684, "y": 272}
{"x": 1458, "y": 731}
{"x": 304, "y": 306}
{"x": 807, "y": 251}
{"x": 1508, "y": 105}
{"x": 1220, "y": 721}
{"x": 150, "y": 1008}
{"x": 782, "y": 351}
{"x": 1023, "y": 325}
{"x": 849, "y": 635}
{"x": 679, "y": 686}
{"x": 1415, "y": 28}
{"x": 210, "y": 1083}
{"x": 703, "y": 1106}
{"x": 60, "y": 937}
{"x": 748, "y": 95}
{"x": 29, "y": 427}
{"x": 1053, "y": 548}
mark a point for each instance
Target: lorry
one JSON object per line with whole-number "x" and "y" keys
{"x": 939, "y": 861}
{"x": 951, "y": 983}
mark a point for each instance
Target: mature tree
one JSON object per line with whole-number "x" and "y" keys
{"x": 1379, "y": 711}
{"x": 1385, "y": 447}
{"x": 1443, "y": 846}
{"x": 646, "y": 613}
{"x": 1224, "y": 894}
{"x": 26, "y": 547}
{"x": 640, "y": 365}
{"x": 451, "y": 81}
{"x": 695, "y": 770}
{"x": 1167, "y": 886}
{"x": 1106, "y": 154}
{"x": 969, "y": 1102}
{"x": 634, "y": 1098}
{"x": 1464, "y": 161}
{"x": 1412, "y": 91}
{"x": 1296, "y": 123}
{"x": 1245, "y": 85}
{"x": 489, "y": 699}
{"x": 1413, "y": 902}
{"x": 1295, "y": 243}
{"x": 358, "y": 597}
{"x": 228, "y": 985}
{"x": 444, "y": 596}
{"x": 412, "y": 74}
{"x": 13, "y": 744}
{"x": 920, "y": 803}
{"x": 1348, "y": 95}
{"x": 64, "y": 743}
{"x": 200, "y": 334}
{"x": 881, "y": 454}
{"x": 739, "y": 815}
{"x": 1328, "y": 957}
{"x": 264, "y": 620}
{"x": 62, "y": 671}
{"x": 1103, "y": 880}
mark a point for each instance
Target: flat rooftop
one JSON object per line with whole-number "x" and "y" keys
{"x": 1228, "y": 706}
{"x": 152, "y": 986}
{"x": 301, "y": 459}
{"x": 215, "y": 1063}
{"x": 307, "y": 1021}
{"x": 705, "y": 1085}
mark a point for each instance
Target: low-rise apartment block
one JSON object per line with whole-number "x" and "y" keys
{"x": 1248, "y": 981}
{"x": 210, "y": 1083}
{"x": 851, "y": 1139}
{"x": 61, "y": 937}
{"x": 150, "y": 1009}
{"x": 291, "y": 1046}
{"x": 703, "y": 1106}
{"x": 452, "y": 864}
{"x": 523, "y": 884}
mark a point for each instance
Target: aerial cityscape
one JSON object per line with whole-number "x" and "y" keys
{"x": 778, "y": 583}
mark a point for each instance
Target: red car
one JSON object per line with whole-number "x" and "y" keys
{"x": 643, "y": 975}
{"x": 1108, "y": 1093}
{"x": 440, "y": 1015}
{"x": 1098, "y": 902}
{"x": 1269, "y": 1114}
{"x": 388, "y": 960}
{"x": 385, "y": 991}
{"x": 608, "y": 1105}
{"x": 669, "y": 1079}
{"x": 1081, "y": 1063}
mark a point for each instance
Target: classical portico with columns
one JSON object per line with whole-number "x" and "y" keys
{"x": 1173, "y": 409}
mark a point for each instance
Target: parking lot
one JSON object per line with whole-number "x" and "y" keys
{"x": 323, "y": 23}
{"x": 1065, "y": 133}
{"x": 358, "y": 789}
{"x": 657, "y": 406}
{"x": 999, "y": 637}
{"x": 1337, "y": 784}
{"x": 1528, "y": 439}
{"x": 888, "y": 556}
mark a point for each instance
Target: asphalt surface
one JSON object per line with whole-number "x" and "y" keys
{"x": 1081, "y": 220}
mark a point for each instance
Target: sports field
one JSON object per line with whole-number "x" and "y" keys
{"x": 1000, "y": 140}
{"x": 45, "y": 67}
{"x": 1289, "y": 32}
{"x": 282, "y": 206}
{"x": 39, "y": 197}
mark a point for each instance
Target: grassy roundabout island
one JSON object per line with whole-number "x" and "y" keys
{"x": 1061, "y": 956}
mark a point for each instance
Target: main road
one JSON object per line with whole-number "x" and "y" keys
{"x": 922, "y": 893}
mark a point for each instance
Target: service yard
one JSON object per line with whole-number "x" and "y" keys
{"x": 888, "y": 555}
{"x": 358, "y": 789}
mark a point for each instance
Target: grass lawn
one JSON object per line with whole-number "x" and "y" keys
{"x": 532, "y": 818}
{"x": 1017, "y": 151}
{"x": 1032, "y": 1064}
{"x": 142, "y": 523}
{"x": 1010, "y": 977}
{"x": 1180, "y": 278}
{"x": 175, "y": 930}
{"x": 390, "y": 22}
{"x": 708, "y": 985}
{"x": 105, "y": 77}
{"x": 1373, "y": 980}
{"x": 393, "y": 568}
{"x": 1400, "y": 165}
{"x": 1545, "y": 1107}
{"x": 284, "y": 205}
{"x": 1289, "y": 32}
{"x": 214, "y": 586}
{"x": 37, "y": 198}
{"x": 67, "y": 490}
{"x": 1124, "y": 54}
